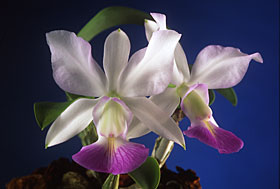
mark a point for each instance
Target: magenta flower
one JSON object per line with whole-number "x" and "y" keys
{"x": 215, "y": 67}
{"x": 121, "y": 93}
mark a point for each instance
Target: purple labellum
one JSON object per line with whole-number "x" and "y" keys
{"x": 224, "y": 141}
{"x": 112, "y": 155}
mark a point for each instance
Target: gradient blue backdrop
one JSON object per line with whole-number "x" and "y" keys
{"x": 251, "y": 25}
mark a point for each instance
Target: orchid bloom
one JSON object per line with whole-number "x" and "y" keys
{"x": 121, "y": 93}
{"x": 215, "y": 67}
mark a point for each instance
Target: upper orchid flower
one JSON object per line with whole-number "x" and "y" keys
{"x": 122, "y": 92}
{"x": 215, "y": 67}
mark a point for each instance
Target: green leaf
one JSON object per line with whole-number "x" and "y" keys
{"x": 112, "y": 182}
{"x": 147, "y": 175}
{"x": 88, "y": 135}
{"x": 47, "y": 112}
{"x": 110, "y": 17}
{"x": 212, "y": 96}
{"x": 229, "y": 94}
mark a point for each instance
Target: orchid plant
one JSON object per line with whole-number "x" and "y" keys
{"x": 110, "y": 107}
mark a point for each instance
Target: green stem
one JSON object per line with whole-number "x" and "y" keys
{"x": 112, "y": 182}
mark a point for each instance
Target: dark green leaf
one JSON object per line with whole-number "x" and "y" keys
{"x": 112, "y": 182}
{"x": 110, "y": 17}
{"x": 211, "y": 96}
{"x": 147, "y": 175}
{"x": 47, "y": 112}
{"x": 229, "y": 94}
{"x": 88, "y": 135}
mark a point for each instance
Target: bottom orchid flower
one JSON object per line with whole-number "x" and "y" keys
{"x": 121, "y": 94}
{"x": 112, "y": 153}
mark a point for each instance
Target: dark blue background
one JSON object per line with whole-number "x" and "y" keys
{"x": 251, "y": 25}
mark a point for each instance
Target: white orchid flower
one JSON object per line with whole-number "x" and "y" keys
{"x": 122, "y": 92}
{"x": 215, "y": 67}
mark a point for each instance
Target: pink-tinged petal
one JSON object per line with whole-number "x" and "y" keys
{"x": 116, "y": 156}
{"x": 195, "y": 102}
{"x": 160, "y": 20}
{"x": 181, "y": 62}
{"x": 111, "y": 117}
{"x": 74, "y": 69}
{"x": 152, "y": 75}
{"x": 116, "y": 52}
{"x": 216, "y": 137}
{"x": 71, "y": 122}
{"x": 150, "y": 27}
{"x": 221, "y": 67}
{"x": 155, "y": 119}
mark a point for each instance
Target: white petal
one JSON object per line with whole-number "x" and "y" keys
{"x": 153, "y": 73}
{"x": 181, "y": 62}
{"x": 136, "y": 129}
{"x": 116, "y": 52}
{"x": 155, "y": 119}
{"x": 221, "y": 67}
{"x": 133, "y": 62}
{"x": 182, "y": 71}
{"x": 74, "y": 69}
{"x": 71, "y": 122}
{"x": 177, "y": 76}
{"x": 160, "y": 20}
{"x": 168, "y": 101}
{"x": 150, "y": 27}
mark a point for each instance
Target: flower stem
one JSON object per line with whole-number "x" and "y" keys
{"x": 163, "y": 147}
